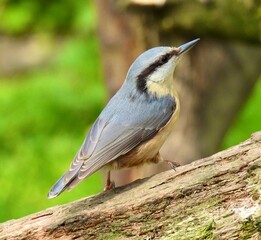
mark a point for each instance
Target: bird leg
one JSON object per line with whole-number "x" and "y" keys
{"x": 172, "y": 164}
{"x": 109, "y": 184}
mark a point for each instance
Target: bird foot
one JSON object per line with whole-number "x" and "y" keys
{"x": 172, "y": 164}
{"x": 109, "y": 186}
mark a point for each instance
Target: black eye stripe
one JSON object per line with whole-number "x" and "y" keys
{"x": 165, "y": 58}
{"x": 142, "y": 77}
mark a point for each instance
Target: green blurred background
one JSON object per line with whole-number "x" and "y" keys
{"x": 47, "y": 109}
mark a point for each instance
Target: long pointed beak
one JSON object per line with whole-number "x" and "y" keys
{"x": 185, "y": 47}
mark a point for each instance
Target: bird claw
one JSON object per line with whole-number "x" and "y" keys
{"x": 173, "y": 164}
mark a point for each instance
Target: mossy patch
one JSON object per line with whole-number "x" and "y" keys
{"x": 249, "y": 228}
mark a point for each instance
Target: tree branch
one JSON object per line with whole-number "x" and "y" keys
{"x": 215, "y": 197}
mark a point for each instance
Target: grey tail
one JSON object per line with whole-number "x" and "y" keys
{"x": 59, "y": 187}
{"x": 65, "y": 181}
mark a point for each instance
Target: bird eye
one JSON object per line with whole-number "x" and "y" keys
{"x": 165, "y": 58}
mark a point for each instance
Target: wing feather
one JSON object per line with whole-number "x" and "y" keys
{"x": 113, "y": 135}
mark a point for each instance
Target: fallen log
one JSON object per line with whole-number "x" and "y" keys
{"x": 213, "y": 198}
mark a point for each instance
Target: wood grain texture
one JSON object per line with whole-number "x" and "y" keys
{"x": 213, "y": 198}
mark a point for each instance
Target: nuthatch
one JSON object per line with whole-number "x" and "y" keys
{"x": 135, "y": 123}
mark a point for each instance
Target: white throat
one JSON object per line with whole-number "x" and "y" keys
{"x": 162, "y": 87}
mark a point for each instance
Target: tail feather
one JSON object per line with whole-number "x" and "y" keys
{"x": 73, "y": 183}
{"x": 65, "y": 181}
{"x": 62, "y": 184}
{"x": 58, "y": 187}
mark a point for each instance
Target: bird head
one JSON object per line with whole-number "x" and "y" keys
{"x": 152, "y": 71}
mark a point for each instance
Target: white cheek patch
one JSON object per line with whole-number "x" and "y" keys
{"x": 161, "y": 82}
{"x": 162, "y": 73}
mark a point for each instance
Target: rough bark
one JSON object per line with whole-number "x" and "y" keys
{"x": 213, "y": 198}
{"x": 213, "y": 80}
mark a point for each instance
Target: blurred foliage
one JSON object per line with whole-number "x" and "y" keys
{"x": 46, "y": 112}
{"x": 60, "y": 16}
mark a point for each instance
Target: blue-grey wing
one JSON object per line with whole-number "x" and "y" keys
{"x": 116, "y": 140}
{"x": 115, "y": 133}
{"x": 121, "y": 133}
